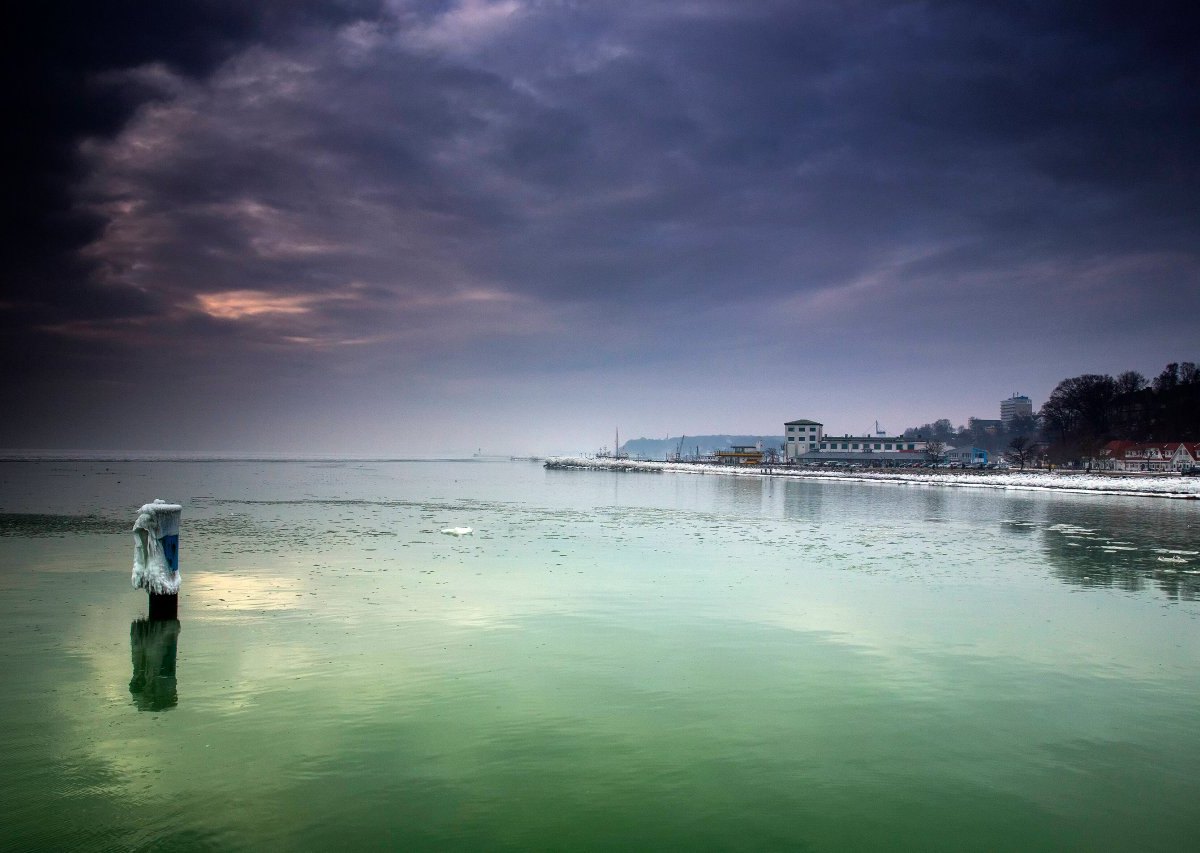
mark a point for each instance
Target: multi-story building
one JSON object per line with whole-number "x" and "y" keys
{"x": 806, "y": 441}
{"x": 801, "y": 437}
{"x": 1016, "y": 406}
{"x": 1150, "y": 456}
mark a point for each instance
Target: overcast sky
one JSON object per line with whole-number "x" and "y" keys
{"x": 417, "y": 227}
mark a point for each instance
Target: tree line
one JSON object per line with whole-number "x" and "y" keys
{"x": 1086, "y": 412}
{"x": 991, "y": 436}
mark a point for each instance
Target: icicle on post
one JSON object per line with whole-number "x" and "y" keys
{"x": 156, "y": 556}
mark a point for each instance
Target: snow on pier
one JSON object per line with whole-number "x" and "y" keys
{"x": 1137, "y": 485}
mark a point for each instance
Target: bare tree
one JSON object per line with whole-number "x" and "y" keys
{"x": 1130, "y": 382}
{"x": 935, "y": 450}
{"x": 1019, "y": 450}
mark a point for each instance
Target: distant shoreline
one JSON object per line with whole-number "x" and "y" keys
{"x": 1126, "y": 485}
{"x": 222, "y": 456}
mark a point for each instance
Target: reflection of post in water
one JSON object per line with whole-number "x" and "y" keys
{"x": 153, "y": 646}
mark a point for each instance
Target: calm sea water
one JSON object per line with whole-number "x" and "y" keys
{"x": 611, "y": 661}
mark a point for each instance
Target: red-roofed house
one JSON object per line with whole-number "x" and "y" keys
{"x": 1150, "y": 456}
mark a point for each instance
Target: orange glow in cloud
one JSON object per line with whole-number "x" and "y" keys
{"x": 238, "y": 304}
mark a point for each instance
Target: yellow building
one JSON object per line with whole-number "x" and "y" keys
{"x": 740, "y": 454}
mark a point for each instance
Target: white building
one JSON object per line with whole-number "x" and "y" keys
{"x": 1149, "y": 456}
{"x": 806, "y": 440}
{"x": 801, "y": 437}
{"x": 965, "y": 456}
{"x": 1016, "y": 406}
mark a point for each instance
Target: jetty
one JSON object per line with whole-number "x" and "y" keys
{"x": 582, "y": 463}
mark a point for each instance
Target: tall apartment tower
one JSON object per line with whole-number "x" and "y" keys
{"x": 1016, "y": 406}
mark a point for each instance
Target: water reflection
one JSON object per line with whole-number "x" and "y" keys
{"x": 802, "y": 499}
{"x": 937, "y": 503}
{"x": 743, "y": 495}
{"x": 1124, "y": 546}
{"x": 153, "y": 646}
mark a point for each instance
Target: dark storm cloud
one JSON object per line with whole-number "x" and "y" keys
{"x": 508, "y": 183}
{"x": 65, "y": 71}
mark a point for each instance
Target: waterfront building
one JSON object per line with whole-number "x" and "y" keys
{"x": 801, "y": 437}
{"x": 740, "y": 454}
{"x": 1149, "y": 456}
{"x": 806, "y": 441}
{"x": 1016, "y": 406}
{"x": 968, "y": 457}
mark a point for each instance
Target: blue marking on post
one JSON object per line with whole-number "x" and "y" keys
{"x": 170, "y": 546}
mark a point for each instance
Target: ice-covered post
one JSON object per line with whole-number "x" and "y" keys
{"x": 156, "y": 556}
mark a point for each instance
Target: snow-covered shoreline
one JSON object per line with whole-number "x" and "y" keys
{"x": 1164, "y": 486}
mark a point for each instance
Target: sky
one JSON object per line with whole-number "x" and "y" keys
{"x": 408, "y": 227}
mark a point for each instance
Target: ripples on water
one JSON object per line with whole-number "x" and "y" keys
{"x": 607, "y": 661}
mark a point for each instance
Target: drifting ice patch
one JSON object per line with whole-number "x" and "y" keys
{"x": 1072, "y": 529}
{"x": 156, "y": 548}
{"x": 456, "y": 531}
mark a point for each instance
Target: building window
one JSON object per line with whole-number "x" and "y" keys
{"x": 887, "y": 447}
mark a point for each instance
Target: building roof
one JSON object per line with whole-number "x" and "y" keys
{"x": 803, "y": 423}
{"x": 1138, "y": 449}
{"x": 872, "y": 438}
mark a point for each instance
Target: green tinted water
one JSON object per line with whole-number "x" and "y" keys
{"x": 609, "y": 661}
